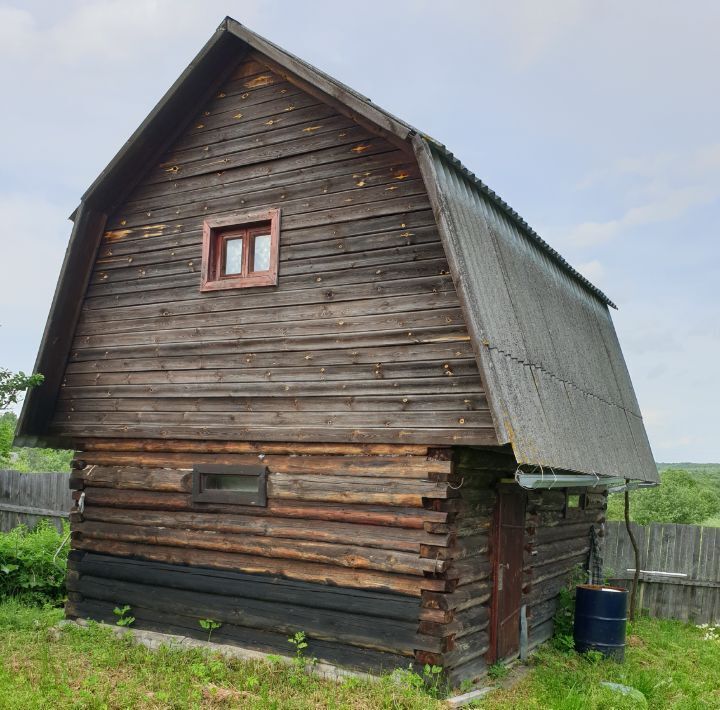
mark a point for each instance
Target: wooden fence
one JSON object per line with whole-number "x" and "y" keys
{"x": 28, "y": 497}
{"x": 679, "y": 569}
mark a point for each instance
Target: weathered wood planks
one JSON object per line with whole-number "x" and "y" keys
{"x": 557, "y": 541}
{"x": 690, "y": 553}
{"x": 360, "y": 340}
{"x": 145, "y": 509}
{"x": 27, "y": 498}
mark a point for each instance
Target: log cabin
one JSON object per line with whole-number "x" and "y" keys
{"x": 320, "y": 377}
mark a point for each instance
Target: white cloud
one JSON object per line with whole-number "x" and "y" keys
{"x": 681, "y": 442}
{"x": 669, "y": 205}
{"x": 34, "y": 233}
{"x": 654, "y": 416}
{"x": 39, "y": 230}
{"x": 17, "y": 28}
{"x": 531, "y": 29}
{"x": 592, "y": 270}
{"x": 106, "y": 30}
{"x": 664, "y": 186}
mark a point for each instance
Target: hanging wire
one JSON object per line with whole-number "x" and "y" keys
{"x": 81, "y": 510}
{"x": 519, "y": 471}
{"x": 550, "y": 487}
{"x": 62, "y": 544}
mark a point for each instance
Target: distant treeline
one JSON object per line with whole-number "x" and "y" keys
{"x": 689, "y": 495}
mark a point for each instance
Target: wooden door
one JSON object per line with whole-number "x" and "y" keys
{"x": 508, "y": 546}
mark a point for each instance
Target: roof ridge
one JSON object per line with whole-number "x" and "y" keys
{"x": 558, "y": 258}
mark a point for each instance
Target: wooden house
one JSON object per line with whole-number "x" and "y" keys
{"x": 304, "y": 357}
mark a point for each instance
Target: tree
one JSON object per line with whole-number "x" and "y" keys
{"x": 7, "y": 431}
{"x": 12, "y": 385}
{"x": 679, "y": 498}
{"x": 26, "y": 460}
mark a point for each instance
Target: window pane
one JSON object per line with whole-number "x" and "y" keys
{"x": 225, "y": 482}
{"x": 233, "y": 256}
{"x": 261, "y": 253}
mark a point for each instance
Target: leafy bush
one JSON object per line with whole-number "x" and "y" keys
{"x": 13, "y": 384}
{"x": 681, "y": 498}
{"x": 564, "y": 619}
{"x": 29, "y": 569}
{"x": 39, "y": 460}
{"x": 8, "y": 422}
{"x": 28, "y": 460}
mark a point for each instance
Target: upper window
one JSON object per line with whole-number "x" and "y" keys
{"x": 239, "y": 252}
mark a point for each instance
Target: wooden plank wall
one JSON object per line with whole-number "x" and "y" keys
{"x": 347, "y": 550}
{"x": 557, "y": 541}
{"x": 689, "y": 550}
{"x": 27, "y": 498}
{"x": 362, "y": 339}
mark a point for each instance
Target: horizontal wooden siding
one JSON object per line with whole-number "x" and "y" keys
{"x": 362, "y": 340}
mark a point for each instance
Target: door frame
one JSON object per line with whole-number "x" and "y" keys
{"x": 504, "y": 490}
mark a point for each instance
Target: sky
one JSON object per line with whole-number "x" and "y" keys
{"x": 597, "y": 121}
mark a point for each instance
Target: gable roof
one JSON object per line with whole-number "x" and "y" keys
{"x": 557, "y": 384}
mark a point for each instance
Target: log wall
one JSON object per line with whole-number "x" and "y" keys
{"x": 557, "y": 542}
{"x": 348, "y": 549}
{"x": 361, "y": 340}
{"x": 462, "y": 614}
{"x": 382, "y": 555}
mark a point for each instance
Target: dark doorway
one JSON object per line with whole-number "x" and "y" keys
{"x": 507, "y": 548}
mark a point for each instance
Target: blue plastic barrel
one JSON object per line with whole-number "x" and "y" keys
{"x": 600, "y": 620}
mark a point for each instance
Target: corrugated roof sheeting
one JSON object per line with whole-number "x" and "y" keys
{"x": 556, "y": 377}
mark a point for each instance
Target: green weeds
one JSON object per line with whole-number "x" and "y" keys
{"x": 122, "y": 614}
{"x": 498, "y": 671}
{"x": 209, "y": 625}
{"x": 93, "y": 668}
{"x": 673, "y": 665}
{"x": 33, "y": 564}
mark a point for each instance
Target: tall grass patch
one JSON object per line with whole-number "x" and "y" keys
{"x": 33, "y": 564}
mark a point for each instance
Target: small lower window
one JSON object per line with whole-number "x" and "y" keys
{"x": 241, "y": 485}
{"x": 574, "y": 501}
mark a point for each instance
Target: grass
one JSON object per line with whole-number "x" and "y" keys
{"x": 668, "y": 661}
{"x": 90, "y": 668}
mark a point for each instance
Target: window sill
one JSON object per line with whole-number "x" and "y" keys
{"x": 241, "y": 282}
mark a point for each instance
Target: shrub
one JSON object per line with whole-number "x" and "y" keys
{"x": 681, "y": 498}
{"x": 564, "y": 618}
{"x": 29, "y": 569}
{"x": 28, "y": 460}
